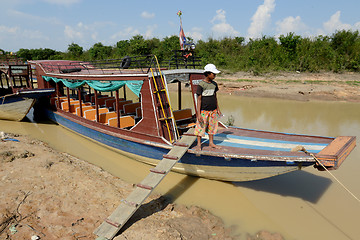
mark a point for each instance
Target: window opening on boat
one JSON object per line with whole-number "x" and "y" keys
{"x": 115, "y": 107}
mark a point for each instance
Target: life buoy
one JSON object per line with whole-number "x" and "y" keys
{"x": 126, "y": 62}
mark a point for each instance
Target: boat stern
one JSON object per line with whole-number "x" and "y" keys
{"x": 333, "y": 155}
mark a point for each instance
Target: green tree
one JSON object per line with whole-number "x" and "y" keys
{"x": 99, "y": 51}
{"x": 138, "y": 46}
{"x": 24, "y": 54}
{"x": 346, "y": 45}
{"x": 122, "y": 48}
{"x": 75, "y": 50}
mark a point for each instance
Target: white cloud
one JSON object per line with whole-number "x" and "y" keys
{"x": 261, "y": 19}
{"x": 335, "y": 24}
{"x": 62, "y": 2}
{"x": 221, "y": 28}
{"x": 150, "y": 31}
{"x": 73, "y": 34}
{"x": 32, "y": 18}
{"x": 195, "y": 33}
{"x": 357, "y": 26}
{"x": 290, "y": 24}
{"x": 83, "y": 32}
{"x": 8, "y": 30}
{"x": 147, "y": 15}
{"x": 125, "y": 34}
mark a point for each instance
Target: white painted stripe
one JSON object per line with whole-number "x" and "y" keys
{"x": 231, "y": 140}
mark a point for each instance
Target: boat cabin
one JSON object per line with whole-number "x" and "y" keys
{"x": 124, "y": 95}
{"x": 15, "y": 75}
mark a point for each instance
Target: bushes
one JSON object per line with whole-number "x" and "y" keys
{"x": 338, "y": 52}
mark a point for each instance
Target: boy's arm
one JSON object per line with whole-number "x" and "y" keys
{"x": 198, "y": 109}
{"x": 217, "y": 106}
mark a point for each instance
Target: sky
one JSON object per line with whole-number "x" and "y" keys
{"x": 55, "y": 24}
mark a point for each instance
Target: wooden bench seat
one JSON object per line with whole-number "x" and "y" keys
{"x": 125, "y": 121}
{"x": 130, "y": 108}
{"x": 92, "y": 98}
{"x": 91, "y": 113}
{"x": 104, "y": 117}
{"x": 73, "y": 107}
{"x": 121, "y": 104}
{"x": 102, "y": 100}
{"x": 84, "y": 108}
{"x": 65, "y": 104}
{"x": 54, "y": 99}
{"x": 183, "y": 114}
{"x": 109, "y": 103}
{"x": 87, "y": 97}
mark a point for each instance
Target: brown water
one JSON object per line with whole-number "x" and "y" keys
{"x": 306, "y": 204}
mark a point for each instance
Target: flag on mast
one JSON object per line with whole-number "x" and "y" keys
{"x": 182, "y": 37}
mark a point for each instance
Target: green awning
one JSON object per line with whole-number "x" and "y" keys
{"x": 105, "y": 86}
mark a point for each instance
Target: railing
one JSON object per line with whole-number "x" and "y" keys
{"x": 133, "y": 64}
{"x": 141, "y": 64}
{"x": 184, "y": 59}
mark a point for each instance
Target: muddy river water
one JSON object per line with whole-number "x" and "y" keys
{"x": 305, "y": 204}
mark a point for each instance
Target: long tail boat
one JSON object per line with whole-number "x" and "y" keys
{"x": 17, "y": 93}
{"x": 91, "y": 100}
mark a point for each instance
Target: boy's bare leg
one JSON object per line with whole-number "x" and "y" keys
{"x": 211, "y": 142}
{"x": 198, "y": 147}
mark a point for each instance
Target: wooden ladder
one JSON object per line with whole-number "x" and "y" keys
{"x": 165, "y": 115}
{"x": 111, "y": 226}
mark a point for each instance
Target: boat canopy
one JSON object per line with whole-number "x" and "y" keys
{"x": 102, "y": 86}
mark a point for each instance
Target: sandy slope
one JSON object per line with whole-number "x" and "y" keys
{"x": 56, "y": 196}
{"x": 294, "y": 86}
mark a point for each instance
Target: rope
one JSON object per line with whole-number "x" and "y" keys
{"x": 332, "y": 175}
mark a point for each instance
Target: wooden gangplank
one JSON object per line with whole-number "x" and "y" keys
{"x": 111, "y": 226}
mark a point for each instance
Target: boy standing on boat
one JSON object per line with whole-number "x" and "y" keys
{"x": 208, "y": 110}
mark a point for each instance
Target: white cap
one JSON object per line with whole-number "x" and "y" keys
{"x": 211, "y": 68}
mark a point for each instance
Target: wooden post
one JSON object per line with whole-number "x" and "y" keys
{"x": 124, "y": 92}
{"x": 80, "y": 101}
{"x": 96, "y": 105}
{"x": 179, "y": 95}
{"x": 31, "y": 77}
{"x": 117, "y": 107}
{"x": 68, "y": 97}
{"x": 57, "y": 95}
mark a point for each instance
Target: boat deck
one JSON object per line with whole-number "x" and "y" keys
{"x": 263, "y": 145}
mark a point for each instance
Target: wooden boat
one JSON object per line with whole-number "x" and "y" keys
{"x": 17, "y": 95}
{"x": 89, "y": 102}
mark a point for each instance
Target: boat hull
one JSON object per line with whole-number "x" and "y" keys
{"x": 15, "y": 109}
{"x": 206, "y": 166}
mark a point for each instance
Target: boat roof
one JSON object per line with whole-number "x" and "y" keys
{"x": 111, "y": 70}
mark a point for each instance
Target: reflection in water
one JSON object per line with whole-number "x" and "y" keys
{"x": 300, "y": 205}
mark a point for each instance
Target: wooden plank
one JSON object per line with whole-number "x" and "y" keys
{"x": 111, "y": 226}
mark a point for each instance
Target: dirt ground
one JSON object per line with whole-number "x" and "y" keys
{"x": 293, "y": 86}
{"x": 47, "y": 194}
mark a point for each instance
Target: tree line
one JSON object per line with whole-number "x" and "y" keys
{"x": 337, "y": 53}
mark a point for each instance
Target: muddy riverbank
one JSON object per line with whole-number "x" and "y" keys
{"x": 54, "y": 195}
{"x": 293, "y": 86}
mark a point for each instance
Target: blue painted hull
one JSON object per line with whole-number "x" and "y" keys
{"x": 207, "y": 166}
{"x": 15, "y": 106}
